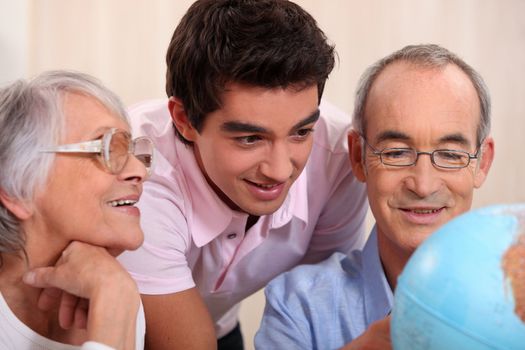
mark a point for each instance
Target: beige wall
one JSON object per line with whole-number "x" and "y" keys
{"x": 123, "y": 42}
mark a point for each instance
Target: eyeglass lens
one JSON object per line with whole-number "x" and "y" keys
{"x": 451, "y": 159}
{"x": 121, "y": 145}
{"x": 118, "y": 151}
{"x": 143, "y": 151}
{"x": 442, "y": 158}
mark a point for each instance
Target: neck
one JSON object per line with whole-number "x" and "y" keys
{"x": 21, "y": 298}
{"x": 393, "y": 258}
{"x": 23, "y": 302}
{"x": 42, "y": 250}
{"x": 252, "y": 220}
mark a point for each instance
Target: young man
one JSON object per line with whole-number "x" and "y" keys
{"x": 421, "y": 144}
{"x": 244, "y": 188}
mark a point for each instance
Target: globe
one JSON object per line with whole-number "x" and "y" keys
{"x": 464, "y": 287}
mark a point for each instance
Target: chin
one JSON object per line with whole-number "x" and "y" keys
{"x": 115, "y": 251}
{"x": 118, "y": 248}
{"x": 263, "y": 211}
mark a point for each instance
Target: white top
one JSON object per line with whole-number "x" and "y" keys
{"x": 192, "y": 238}
{"x": 15, "y": 335}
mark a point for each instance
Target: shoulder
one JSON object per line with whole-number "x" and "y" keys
{"x": 168, "y": 181}
{"x": 151, "y": 118}
{"x": 332, "y": 129}
{"x": 329, "y": 156}
{"x": 152, "y": 108}
{"x": 329, "y": 167}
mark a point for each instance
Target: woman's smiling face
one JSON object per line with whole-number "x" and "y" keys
{"x": 80, "y": 200}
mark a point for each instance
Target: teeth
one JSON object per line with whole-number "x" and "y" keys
{"x": 122, "y": 202}
{"x": 265, "y": 186}
{"x": 425, "y": 211}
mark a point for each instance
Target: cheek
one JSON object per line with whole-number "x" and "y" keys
{"x": 462, "y": 188}
{"x": 82, "y": 188}
{"x": 383, "y": 184}
{"x": 231, "y": 164}
{"x": 301, "y": 154}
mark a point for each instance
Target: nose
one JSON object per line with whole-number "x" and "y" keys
{"x": 279, "y": 163}
{"x": 424, "y": 179}
{"x": 133, "y": 171}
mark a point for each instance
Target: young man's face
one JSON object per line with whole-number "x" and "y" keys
{"x": 254, "y": 147}
{"x": 424, "y": 109}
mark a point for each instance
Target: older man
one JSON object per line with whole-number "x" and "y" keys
{"x": 421, "y": 144}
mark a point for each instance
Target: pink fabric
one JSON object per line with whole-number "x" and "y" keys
{"x": 193, "y": 239}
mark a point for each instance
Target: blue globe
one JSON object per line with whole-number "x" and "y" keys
{"x": 464, "y": 287}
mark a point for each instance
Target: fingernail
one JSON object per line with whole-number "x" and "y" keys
{"x": 29, "y": 277}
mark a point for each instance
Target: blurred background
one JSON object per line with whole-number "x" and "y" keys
{"x": 123, "y": 43}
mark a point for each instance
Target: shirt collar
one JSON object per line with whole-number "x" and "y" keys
{"x": 209, "y": 215}
{"x": 378, "y": 294}
{"x": 294, "y": 205}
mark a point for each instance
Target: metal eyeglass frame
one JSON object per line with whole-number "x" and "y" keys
{"x": 418, "y": 153}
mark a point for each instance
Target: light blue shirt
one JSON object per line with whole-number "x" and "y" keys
{"x": 326, "y": 305}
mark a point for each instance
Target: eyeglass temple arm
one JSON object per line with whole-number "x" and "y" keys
{"x": 93, "y": 146}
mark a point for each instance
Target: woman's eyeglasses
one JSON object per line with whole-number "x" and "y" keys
{"x": 114, "y": 149}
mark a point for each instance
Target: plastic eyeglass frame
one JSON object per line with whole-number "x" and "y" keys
{"x": 431, "y": 154}
{"x": 100, "y": 147}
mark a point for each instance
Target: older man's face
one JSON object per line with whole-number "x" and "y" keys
{"x": 424, "y": 109}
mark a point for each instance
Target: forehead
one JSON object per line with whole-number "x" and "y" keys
{"x": 86, "y": 117}
{"x": 275, "y": 110}
{"x": 423, "y": 102}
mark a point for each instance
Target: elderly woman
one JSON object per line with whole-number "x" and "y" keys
{"x": 70, "y": 176}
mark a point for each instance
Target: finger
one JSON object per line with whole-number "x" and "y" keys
{"x": 66, "y": 312}
{"x": 49, "y": 299}
{"x": 39, "y": 277}
{"x": 62, "y": 277}
{"x": 81, "y": 314}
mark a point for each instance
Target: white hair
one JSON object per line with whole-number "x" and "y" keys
{"x": 31, "y": 119}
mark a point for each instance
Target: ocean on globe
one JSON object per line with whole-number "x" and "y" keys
{"x": 464, "y": 287}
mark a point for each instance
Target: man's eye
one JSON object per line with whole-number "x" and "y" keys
{"x": 248, "y": 140}
{"x": 302, "y": 134}
{"x": 452, "y": 155}
{"x": 397, "y": 153}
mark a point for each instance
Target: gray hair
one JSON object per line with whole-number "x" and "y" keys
{"x": 31, "y": 119}
{"x": 429, "y": 56}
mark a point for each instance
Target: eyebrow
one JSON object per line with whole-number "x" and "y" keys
{"x": 455, "y": 138}
{"x": 235, "y": 126}
{"x": 389, "y": 135}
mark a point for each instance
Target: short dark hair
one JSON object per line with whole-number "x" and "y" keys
{"x": 266, "y": 43}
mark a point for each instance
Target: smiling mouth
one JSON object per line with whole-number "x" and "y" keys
{"x": 263, "y": 186}
{"x": 423, "y": 211}
{"x": 122, "y": 202}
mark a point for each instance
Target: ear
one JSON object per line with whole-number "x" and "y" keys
{"x": 17, "y": 207}
{"x": 485, "y": 161}
{"x": 355, "y": 150}
{"x": 180, "y": 119}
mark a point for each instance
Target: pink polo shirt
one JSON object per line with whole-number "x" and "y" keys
{"x": 192, "y": 238}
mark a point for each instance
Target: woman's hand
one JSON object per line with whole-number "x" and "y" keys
{"x": 87, "y": 280}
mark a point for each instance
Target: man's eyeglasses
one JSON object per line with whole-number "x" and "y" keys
{"x": 441, "y": 158}
{"x": 114, "y": 149}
